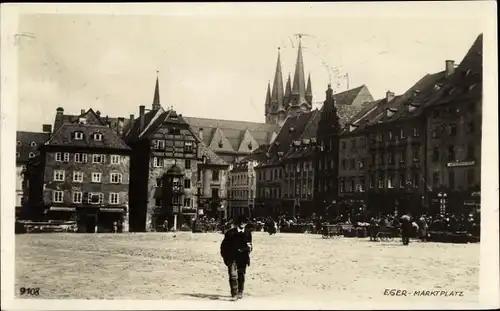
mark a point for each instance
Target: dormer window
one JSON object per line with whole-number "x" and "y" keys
{"x": 33, "y": 144}
{"x": 32, "y": 155}
{"x": 467, "y": 72}
{"x": 18, "y": 154}
{"x": 250, "y": 146}
{"x": 78, "y": 135}
{"x": 291, "y": 130}
{"x": 471, "y": 86}
{"x": 97, "y": 136}
{"x": 221, "y": 144}
{"x": 82, "y": 120}
{"x": 411, "y": 108}
{"x": 188, "y": 146}
{"x": 18, "y": 143}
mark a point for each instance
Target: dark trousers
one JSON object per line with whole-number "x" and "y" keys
{"x": 236, "y": 272}
{"x": 405, "y": 233}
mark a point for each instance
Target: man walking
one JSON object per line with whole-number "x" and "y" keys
{"x": 406, "y": 226}
{"x": 235, "y": 250}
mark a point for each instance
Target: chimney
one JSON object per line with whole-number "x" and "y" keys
{"x": 200, "y": 133}
{"x": 119, "y": 126}
{"x": 329, "y": 93}
{"x": 82, "y": 111}
{"x": 142, "y": 109}
{"x": 47, "y": 128}
{"x": 389, "y": 96}
{"x": 450, "y": 67}
{"x": 59, "y": 111}
{"x": 98, "y": 113}
{"x": 132, "y": 117}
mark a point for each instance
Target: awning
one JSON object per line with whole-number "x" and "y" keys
{"x": 112, "y": 209}
{"x": 62, "y": 209}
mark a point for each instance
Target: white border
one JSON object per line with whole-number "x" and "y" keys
{"x": 489, "y": 270}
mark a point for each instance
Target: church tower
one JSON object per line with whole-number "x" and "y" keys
{"x": 301, "y": 97}
{"x": 156, "y": 97}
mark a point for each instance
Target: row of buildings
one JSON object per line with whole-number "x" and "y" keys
{"x": 416, "y": 152}
{"x": 394, "y": 153}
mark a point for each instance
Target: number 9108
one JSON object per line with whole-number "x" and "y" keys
{"x": 35, "y": 291}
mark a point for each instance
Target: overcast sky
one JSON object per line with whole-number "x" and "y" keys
{"x": 218, "y": 67}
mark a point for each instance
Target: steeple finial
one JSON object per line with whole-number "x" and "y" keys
{"x": 156, "y": 97}
{"x": 299, "y": 83}
{"x": 268, "y": 99}
{"x": 277, "y": 92}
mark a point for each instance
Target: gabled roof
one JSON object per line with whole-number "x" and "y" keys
{"x": 219, "y": 141}
{"x": 212, "y": 157}
{"x": 312, "y": 125}
{"x": 246, "y": 141}
{"x": 28, "y": 142}
{"x": 232, "y": 130}
{"x": 344, "y": 104}
{"x": 291, "y": 130}
{"x": 64, "y": 137}
{"x": 347, "y": 97}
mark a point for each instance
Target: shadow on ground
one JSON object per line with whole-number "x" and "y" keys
{"x": 209, "y": 296}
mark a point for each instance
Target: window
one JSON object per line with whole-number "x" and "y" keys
{"x": 361, "y": 184}
{"x": 353, "y": 144}
{"x": 381, "y": 182}
{"x": 389, "y": 182}
{"x": 159, "y": 182}
{"x": 215, "y": 175}
{"x": 344, "y": 162}
{"x": 18, "y": 154}
{"x": 390, "y": 135}
{"x": 157, "y": 162}
{"x": 353, "y": 164}
{"x": 77, "y": 197}
{"x": 391, "y": 157}
{"x": 59, "y": 157}
{"x": 188, "y": 146}
{"x": 78, "y": 135}
{"x": 435, "y": 133}
{"x": 471, "y": 150}
{"x": 114, "y": 198}
{"x": 451, "y": 180}
{"x": 187, "y": 164}
{"x": 451, "y": 153}
{"x": 95, "y": 198}
{"x": 402, "y": 181}
{"x": 342, "y": 185}
{"x": 116, "y": 178}
{"x": 33, "y": 144}
{"x": 402, "y": 133}
{"x": 158, "y": 202}
{"x": 159, "y": 145}
{"x": 435, "y": 180}
{"x": 343, "y": 145}
{"x": 402, "y": 157}
{"x": 80, "y": 158}
{"x": 452, "y": 130}
{"x": 31, "y": 155}
{"x": 98, "y": 158}
{"x": 57, "y": 196}
{"x": 115, "y": 159}
{"x": 58, "y": 175}
{"x": 416, "y": 132}
{"x": 187, "y": 202}
{"x": 187, "y": 183}
{"x": 416, "y": 153}
{"x": 361, "y": 164}
{"x": 175, "y": 200}
{"x": 18, "y": 143}
{"x": 470, "y": 127}
{"x": 435, "y": 154}
{"x": 96, "y": 177}
{"x": 77, "y": 176}
{"x": 381, "y": 159}
{"x": 215, "y": 192}
{"x": 372, "y": 182}
{"x": 66, "y": 157}
{"x": 97, "y": 136}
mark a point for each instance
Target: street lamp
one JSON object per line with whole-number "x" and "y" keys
{"x": 442, "y": 202}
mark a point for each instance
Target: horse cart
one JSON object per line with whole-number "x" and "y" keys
{"x": 383, "y": 233}
{"x": 331, "y": 231}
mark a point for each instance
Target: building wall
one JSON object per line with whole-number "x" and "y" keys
{"x": 19, "y": 185}
{"x": 353, "y": 164}
{"x": 69, "y": 186}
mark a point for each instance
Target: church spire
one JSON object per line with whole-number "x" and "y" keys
{"x": 309, "y": 90}
{"x": 277, "y": 94}
{"x": 156, "y": 98}
{"x": 288, "y": 92}
{"x": 299, "y": 83}
{"x": 268, "y": 99}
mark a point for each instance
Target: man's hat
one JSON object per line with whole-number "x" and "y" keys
{"x": 241, "y": 219}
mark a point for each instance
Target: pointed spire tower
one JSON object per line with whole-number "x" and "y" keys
{"x": 267, "y": 108}
{"x": 156, "y": 97}
{"x": 309, "y": 95}
{"x": 288, "y": 92}
{"x": 277, "y": 95}
{"x": 299, "y": 101}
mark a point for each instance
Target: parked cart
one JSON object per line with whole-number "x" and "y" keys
{"x": 386, "y": 233}
{"x": 331, "y": 231}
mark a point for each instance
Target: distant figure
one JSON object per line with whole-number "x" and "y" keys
{"x": 165, "y": 225}
{"x": 235, "y": 250}
{"x": 115, "y": 227}
{"x": 406, "y": 226}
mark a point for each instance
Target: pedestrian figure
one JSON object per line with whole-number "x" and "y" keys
{"x": 406, "y": 227}
{"x": 235, "y": 250}
{"x": 165, "y": 225}
{"x": 115, "y": 227}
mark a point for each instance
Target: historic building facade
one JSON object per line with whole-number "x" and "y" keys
{"x": 27, "y": 145}
{"x": 82, "y": 174}
{"x": 453, "y": 137}
{"x": 242, "y": 186}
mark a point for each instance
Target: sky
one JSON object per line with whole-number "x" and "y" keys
{"x": 218, "y": 66}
